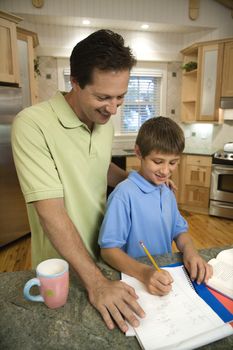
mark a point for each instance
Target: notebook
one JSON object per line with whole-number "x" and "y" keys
{"x": 222, "y": 279}
{"x": 179, "y": 320}
{"x": 225, "y": 301}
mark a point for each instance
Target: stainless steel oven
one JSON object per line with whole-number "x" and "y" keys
{"x": 221, "y": 190}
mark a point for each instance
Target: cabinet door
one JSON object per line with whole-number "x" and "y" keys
{"x": 198, "y": 176}
{"x": 132, "y": 163}
{"x": 210, "y": 69}
{"x": 227, "y": 84}
{"x": 9, "y": 68}
{"x": 197, "y": 196}
{"x": 176, "y": 179}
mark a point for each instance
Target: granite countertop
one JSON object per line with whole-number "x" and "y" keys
{"x": 188, "y": 150}
{"x": 77, "y": 325}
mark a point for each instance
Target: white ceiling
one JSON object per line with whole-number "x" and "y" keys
{"x": 161, "y": 15}
{"x": 70, "y": 21}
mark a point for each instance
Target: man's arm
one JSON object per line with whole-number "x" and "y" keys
{"x": 111, "y": 298}
{"x": 116, "y": 175}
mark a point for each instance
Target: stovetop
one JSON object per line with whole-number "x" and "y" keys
{"x": 222, "y": 157}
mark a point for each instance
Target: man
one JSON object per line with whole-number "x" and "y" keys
{"x": 62, "y": 152}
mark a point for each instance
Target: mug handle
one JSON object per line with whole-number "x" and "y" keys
{"x": 27, "y": 287}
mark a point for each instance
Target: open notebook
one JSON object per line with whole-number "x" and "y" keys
{"x": 179, "y": 320}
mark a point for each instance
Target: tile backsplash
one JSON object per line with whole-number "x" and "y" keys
{"x": 48, "y": 80}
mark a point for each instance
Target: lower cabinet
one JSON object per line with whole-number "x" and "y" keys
{"x": 194, "y": 189}
{"x": 192, "y": 178}
{"x": 132, "y": 163}
{"x": 197, "y": 196}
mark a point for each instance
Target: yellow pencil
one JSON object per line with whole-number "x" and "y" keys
{"x": 149, "y": 256}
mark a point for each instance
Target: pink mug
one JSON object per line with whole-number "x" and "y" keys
{"x": 53, "y": 281}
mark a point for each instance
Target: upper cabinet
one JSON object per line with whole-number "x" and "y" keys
{"x": 209, "y": 82}
{"x": 202, "y": 87}
{"x": 9, "y": 67}
{"x": 227, "y": 82}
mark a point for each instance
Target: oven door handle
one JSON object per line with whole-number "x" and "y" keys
{"x": 221, "y": 206}
{"x": 222, "y": 170}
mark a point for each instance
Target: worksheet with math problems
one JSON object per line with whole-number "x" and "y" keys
{"x": 179, "y": 320}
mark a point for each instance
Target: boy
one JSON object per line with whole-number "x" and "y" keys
{"x": 143, "y": 208}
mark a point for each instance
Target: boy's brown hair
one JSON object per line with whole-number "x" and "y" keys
{"x": 162, "y": 135}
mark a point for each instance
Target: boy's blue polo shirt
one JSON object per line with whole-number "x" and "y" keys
{"x": 138, "y": 210}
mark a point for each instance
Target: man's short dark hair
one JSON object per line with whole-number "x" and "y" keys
{"x": 162, "y": 135}
{"x": 104, "y": 50}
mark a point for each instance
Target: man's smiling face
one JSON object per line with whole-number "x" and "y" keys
{"x": 96, "y": 102}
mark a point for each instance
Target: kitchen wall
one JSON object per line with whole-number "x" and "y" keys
{"x": 58, "y": 24}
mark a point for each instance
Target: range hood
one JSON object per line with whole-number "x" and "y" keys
{"x": 226, "y": 103}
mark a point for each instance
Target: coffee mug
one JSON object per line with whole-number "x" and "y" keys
{"x": 53, "y": 281}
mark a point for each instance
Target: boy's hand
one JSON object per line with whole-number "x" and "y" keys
{"x": 157, "y": 282}
{"x": 197, "y": 267}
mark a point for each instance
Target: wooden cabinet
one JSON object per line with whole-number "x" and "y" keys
{"x": 194, "y": 179}
{"x": 227, "y": 80}
{"x": 175, "y": 177}
{"x": 209, "y": 82}
{"x": 9, "y": 67}
{"x": 189, "y": 87}
{"x": 27, "y": 41}
{"x": 200, "y": 87}
{"x": 132, "y": 163}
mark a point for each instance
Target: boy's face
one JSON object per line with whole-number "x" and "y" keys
{"x": 158, "y": 167}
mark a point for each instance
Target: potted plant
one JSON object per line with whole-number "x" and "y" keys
{"x": 189, "y": 66}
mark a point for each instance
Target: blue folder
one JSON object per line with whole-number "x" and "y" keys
{"x": 210, "y": 299}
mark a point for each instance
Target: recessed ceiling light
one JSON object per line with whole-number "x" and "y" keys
{"x": 144, "y": 26}
{"x": 86, "y": 21}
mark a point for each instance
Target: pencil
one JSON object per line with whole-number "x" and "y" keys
{"x": 149, "y": 256}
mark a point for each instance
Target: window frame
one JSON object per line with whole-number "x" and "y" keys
{"x": 160, "y": 70}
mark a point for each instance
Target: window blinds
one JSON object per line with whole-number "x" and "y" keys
{"x": 141, "y": 102}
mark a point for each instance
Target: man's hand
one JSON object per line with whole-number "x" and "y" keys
{"x": 171, "y": 184}
{"x": 115, "y": 300}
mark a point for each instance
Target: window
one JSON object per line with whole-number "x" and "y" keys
{"x": 141, "y": 102}
{"x": 146, "y": 98}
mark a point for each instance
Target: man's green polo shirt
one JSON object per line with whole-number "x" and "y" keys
{"x": 56, "y": 156}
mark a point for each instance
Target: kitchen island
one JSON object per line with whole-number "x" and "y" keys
{"x": 77, "y": 325}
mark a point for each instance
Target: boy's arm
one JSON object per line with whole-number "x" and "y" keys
{"x": 158, "y": 283}
{"x": 198, "y": 268}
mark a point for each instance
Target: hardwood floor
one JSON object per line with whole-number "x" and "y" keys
{"x": 206, "y": 232}
{"x": 16, "y": 256}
